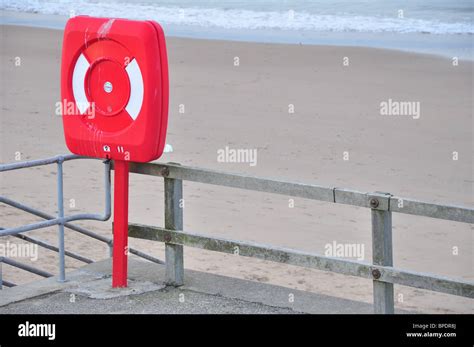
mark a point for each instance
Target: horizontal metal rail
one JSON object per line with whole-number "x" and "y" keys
{"x": 40, "y": 162}
{"x": 145, "y": 256}
{"x": 53, "y": 248}
{"x": 50, "y": 223}
{"x": 44, "y": 215}
{"x": 8, "y": 284}
{"x": 25, "y": 267}
{"x": 308, "y": 191}
{"x": 309, "y": 260}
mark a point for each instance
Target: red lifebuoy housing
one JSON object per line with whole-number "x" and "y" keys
{"x": 114, "y": 88}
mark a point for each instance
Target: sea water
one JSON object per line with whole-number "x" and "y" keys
{"x": 432, "y": 26}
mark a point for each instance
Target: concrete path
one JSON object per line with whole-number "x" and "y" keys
{"x": 88, "y": 290}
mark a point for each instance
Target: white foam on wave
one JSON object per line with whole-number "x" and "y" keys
{"x": 238, "y": 18}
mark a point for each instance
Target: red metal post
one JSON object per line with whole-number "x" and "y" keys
{"x": 120, "y": 253}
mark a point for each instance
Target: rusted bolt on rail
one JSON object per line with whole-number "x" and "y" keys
{"x": 167, "y": 237}
{"x": 374, "y": 203}
{"x": 376, "y": 274}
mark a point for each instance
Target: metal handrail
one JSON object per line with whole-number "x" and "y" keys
{"x": 53, "y": 248}
{"x": 46, "y": 245}
{"x": 60, "y": 220}
{"x": 381, "y": 205}
{"x": 336, "y": 195}
{"x": 44, "y": 215}
{"x": 25, "y": 267}
{"x": 39, "y": 162}
{"x": 78, "y": 229}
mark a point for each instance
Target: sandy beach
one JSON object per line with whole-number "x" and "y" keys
{"x": 335, "y": 93}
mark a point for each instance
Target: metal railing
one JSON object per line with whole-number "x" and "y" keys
{"x": 60, "y": 220}
{"x": 381, "y": 205}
